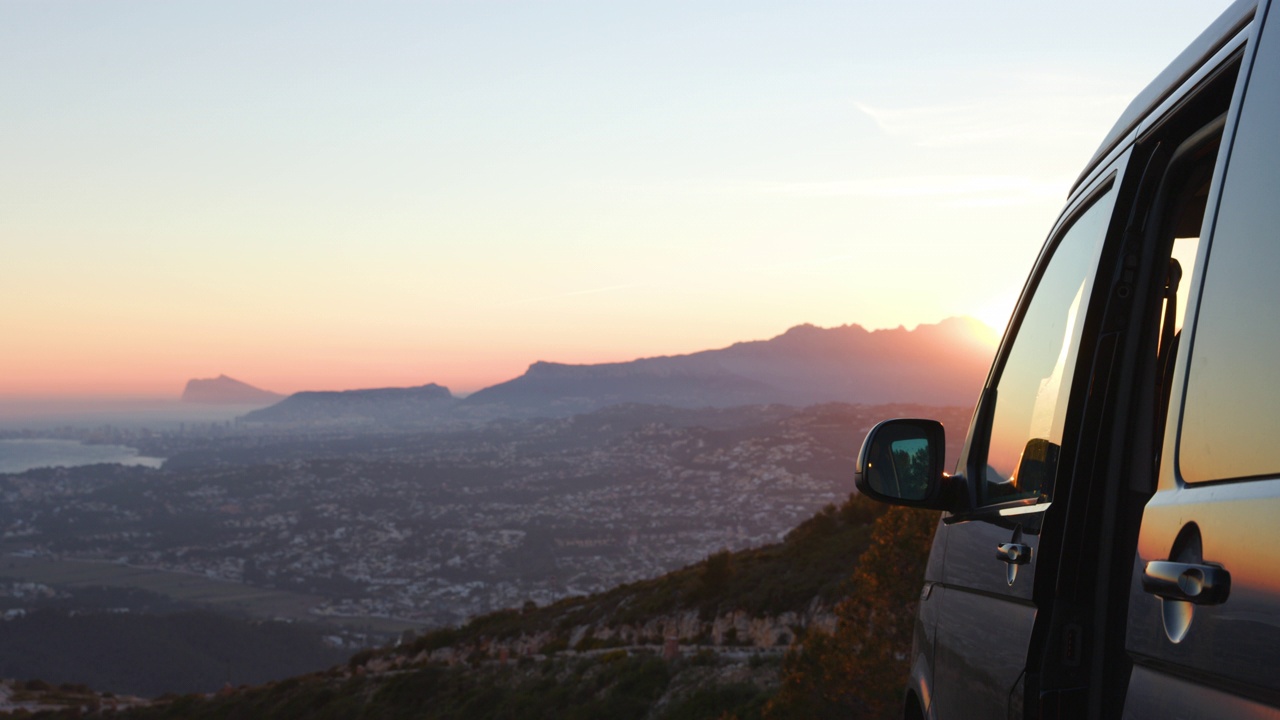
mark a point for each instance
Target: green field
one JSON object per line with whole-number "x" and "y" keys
{"x": 216, "y": 594}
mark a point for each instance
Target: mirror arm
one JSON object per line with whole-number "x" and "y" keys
{"x": 954, "y": 496}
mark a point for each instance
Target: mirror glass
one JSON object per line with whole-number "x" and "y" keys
{"x": 901, "y": 463}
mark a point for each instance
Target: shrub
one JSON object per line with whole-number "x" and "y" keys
{"x": 612, "y": 656}
{"x": 859, "y": 670}
{"x": 554, "y": 646}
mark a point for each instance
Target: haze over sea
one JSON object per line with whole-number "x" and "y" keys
{"x": 34, "y": 413}
{"x": 24, "y": 454}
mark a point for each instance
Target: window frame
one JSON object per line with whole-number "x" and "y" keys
{"x": 977, "y": 447}
{"x": 1172, "y": 454}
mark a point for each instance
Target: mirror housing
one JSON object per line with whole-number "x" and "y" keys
{"x": 901, "y": 463}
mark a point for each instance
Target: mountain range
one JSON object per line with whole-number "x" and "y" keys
{"x": 939, "y": 364}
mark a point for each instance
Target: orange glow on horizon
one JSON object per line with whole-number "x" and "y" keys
{"x": 305, "y": 364}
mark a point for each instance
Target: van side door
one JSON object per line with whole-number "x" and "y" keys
{"x": 1017, "y": 450}
{"x": 1204, "y": 611}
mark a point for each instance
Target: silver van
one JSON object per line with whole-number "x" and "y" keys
{"x": 1110, "y": 539}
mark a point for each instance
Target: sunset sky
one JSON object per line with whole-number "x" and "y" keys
{"x": 318, "y": 195}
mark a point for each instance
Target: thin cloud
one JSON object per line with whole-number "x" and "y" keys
{"x": 1010, "y": 117}
{"x": 954, "y": 190}
{"x": 962, "y": 190}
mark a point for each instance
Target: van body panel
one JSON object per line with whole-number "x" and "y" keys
{"x": 1153, "y": 694}
{"x": 923, "y": 641}
{"x": 984, "y": 623}
{"x": 1232, "y": 644}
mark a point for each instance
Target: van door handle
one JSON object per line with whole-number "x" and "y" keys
{"x": 1190, "y": 582}
{"x": 1014, "y": 553}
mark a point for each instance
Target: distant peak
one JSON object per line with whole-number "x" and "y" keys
{"x": 224, "y": 390}
{"x": 802, "y": 328}
{"x": 428, "y": 389}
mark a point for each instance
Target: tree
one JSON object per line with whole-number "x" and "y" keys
{"x": 859, "y": 670}
{"x": 717, "y": 571}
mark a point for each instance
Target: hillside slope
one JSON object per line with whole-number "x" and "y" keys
{"x": 705, "y": 641}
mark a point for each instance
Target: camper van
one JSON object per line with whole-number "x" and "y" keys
{"x": 1109, "y": 544}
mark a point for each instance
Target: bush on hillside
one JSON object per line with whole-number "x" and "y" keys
{"x": 859, "y": 671}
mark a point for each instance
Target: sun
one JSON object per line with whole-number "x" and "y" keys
{"x": 995, "y": 314}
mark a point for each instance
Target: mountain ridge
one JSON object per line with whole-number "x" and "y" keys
{"x": 383, "y": 406}
{"x": 942, "y": 363}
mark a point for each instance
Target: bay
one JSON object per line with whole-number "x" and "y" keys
{"x": 21, "y": 455}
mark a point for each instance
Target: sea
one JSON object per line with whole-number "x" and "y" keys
{"x": 33, "y": 417}
{"x": 23, "y": 454}
{"x": 18, "y": 413}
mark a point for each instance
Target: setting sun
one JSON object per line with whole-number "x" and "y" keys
{"x": 996, "y": 314}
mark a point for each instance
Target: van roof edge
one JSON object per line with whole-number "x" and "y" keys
{"x": 1219, "y": 32}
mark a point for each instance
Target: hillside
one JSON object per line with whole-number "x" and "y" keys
{"x": 704, "y": 641}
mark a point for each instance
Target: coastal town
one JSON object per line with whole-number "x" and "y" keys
{"x": 435, "y": 528}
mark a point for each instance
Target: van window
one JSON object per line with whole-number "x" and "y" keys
{"x": 1232, "y": 400}
{"x": 1035, "y": 382}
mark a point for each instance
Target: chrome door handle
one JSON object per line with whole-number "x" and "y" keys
{"x": 1191, "y": 582}
{"x": 1013, "y": 553}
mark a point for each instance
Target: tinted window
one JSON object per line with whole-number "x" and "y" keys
{"x": 1232, "y": 403}
{"x": 1032, "y": 392}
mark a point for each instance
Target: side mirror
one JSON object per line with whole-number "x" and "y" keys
{"x": 901, "y": 463}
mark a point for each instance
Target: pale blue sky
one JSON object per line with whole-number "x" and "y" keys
{"x": 328, "y": 195}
